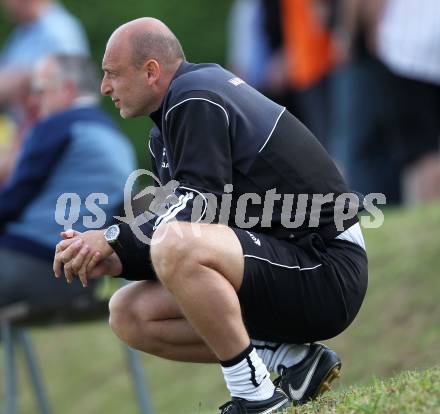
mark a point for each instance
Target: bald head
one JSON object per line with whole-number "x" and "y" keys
{"x": 149, "y": 38}
{"x": 139, "y": 63}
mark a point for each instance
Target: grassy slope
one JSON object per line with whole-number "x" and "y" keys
{"x": 411, "y": 392}
{"x": 399, "y": 325}
{"x": 398, "y": 328}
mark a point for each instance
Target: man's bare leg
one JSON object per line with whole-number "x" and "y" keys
{"x": 146, "y": 316}
{"x": 202, "y": 266}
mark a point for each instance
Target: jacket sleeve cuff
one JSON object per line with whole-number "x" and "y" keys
{"x": 134, "y": 256}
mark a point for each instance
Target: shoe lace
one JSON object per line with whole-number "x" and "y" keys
{"x": 225, "y": 408}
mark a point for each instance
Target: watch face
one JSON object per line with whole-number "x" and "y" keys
{"x": 112, "y": 233}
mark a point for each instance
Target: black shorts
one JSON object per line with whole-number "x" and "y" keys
{"x": 300, "y": 292}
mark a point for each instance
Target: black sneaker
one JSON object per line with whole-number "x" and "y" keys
{"x": 310, "y": 377}
{"x": 275, "y": 404}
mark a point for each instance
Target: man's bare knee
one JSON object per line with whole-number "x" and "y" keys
{"x": 127, "y": 312}
{"x": 179, "y": 250}
{"x": 173, "y": 250}
{"x": 135, "y": 311}
{"x": 121, "y": 314}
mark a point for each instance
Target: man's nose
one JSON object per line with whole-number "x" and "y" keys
{"x": 106, "y": 88}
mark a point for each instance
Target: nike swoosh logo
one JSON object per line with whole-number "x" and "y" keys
{"x": 297, "y": 394}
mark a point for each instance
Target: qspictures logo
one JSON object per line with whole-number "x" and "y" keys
{"x": 172, "y": 200}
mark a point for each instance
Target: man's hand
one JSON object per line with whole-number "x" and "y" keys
{"x": 110, "y": 266}
{"x": 85, "y": 254}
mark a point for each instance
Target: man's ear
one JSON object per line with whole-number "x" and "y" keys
{"x": 70, "y": 90}
{"x": 152, "y": 71}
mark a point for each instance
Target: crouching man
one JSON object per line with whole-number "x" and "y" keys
{"x": 252, "y": 292}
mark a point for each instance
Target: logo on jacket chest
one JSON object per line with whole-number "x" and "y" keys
{"x": 164, "y": 163}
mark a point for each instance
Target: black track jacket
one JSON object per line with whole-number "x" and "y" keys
{"x": 214, "y": 130}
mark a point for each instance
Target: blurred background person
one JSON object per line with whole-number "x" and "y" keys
{"x": 386, "y": 100}
{"x": 408, "y": 44}
{"x": 359, "y": 74}
{"x": 74, "y": 148}
{"x": 362, "y": 137}
{"x": 255, "y": 50}
{"x": 42, "y": 27}
{"x": 284, "y": 48}
{"x": 248, "y": 48}
{"x": 310, "y": 57}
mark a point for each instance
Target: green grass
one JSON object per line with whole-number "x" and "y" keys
{"x": 411, "y": 392}
{"x": 397, "y": 329}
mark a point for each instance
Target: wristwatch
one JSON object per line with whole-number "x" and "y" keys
{"x": 111, "y": 235}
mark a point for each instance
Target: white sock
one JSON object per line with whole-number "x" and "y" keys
{"x": 274, "y": 354}
{"x": 247, "y": 377}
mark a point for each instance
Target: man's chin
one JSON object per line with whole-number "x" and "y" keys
{"x": 127, "y": 114}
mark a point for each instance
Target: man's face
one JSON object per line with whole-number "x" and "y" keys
{"x": 125, "y": 83}
{"x": 18, "y": 10}
{"x": 48, "y": 93}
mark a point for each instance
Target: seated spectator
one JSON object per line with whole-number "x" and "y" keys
{"x": 43, "y": 27}
{"x": 75, "y": 148}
